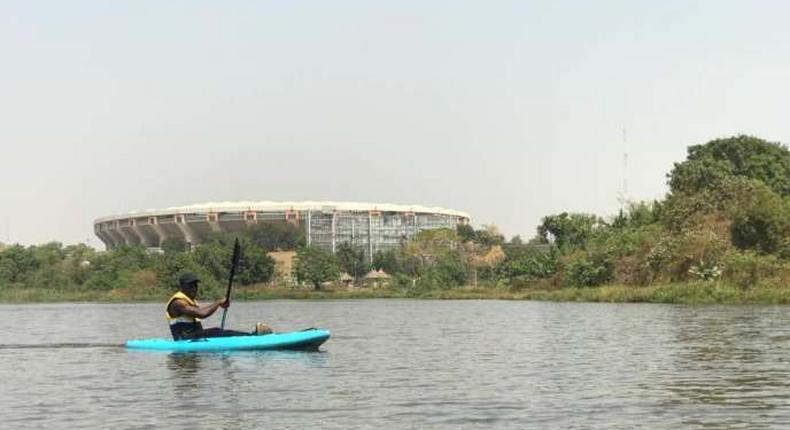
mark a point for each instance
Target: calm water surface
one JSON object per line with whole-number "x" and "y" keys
{"x": 406, "y": 364}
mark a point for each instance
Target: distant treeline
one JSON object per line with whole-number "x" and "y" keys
{"x": 137, "y": 272}
{"x": 726, "y": 219}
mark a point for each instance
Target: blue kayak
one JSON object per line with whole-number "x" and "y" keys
{"x": 309, "y": 339}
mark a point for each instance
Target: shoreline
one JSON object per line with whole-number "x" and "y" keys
{"x": 675, "y": 293}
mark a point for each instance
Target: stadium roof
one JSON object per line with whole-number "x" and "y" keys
{"x": 270, "y": 206}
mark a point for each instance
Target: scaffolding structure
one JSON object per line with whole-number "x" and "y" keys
{"x": 372, "y": 231}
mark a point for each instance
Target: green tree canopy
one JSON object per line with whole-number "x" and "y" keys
{"x": 569, "y": 231}
{"x": 707, "y": 165}
{"x": 488, "y": 235}
{"x": 389, "y": 261}
{"x": 315, "y": 266}
{"x": 174, "y": 244}
{"x": 215, "y": 256}
{"x": 352, "y": 260}
{"x": 16, "y": 262}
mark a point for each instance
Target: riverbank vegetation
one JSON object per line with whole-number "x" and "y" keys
{"x": 721, "y": 235}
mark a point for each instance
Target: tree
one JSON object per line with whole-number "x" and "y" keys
{"x": 77, "y": 265}
{"x": 169, "y": 267}
{"x": 427, "y": 248}
{"x": 570, "y": 231}
{"x": 315, "y": 266}
{"x": 16, "y": 261}
{"x": 489, "y": 235}
{"x": 388, "y": 261}
{"x": 352, "y": 260}
{"x": 447, "y": 269}
{"x": 112, "y": 269}
{"x": 215, "y": 255}
{"x": 706, "y": 165}
{"x": 763, "y": 224}
{"x": 174, "y": 244}
{"x": 480, "y": 257}
{"x": 466, "y": 232}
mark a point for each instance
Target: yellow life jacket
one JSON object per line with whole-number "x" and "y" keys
{"x": 183, "y": 318}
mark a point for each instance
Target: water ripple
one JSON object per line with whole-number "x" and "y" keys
{"x": 409, "y": 364}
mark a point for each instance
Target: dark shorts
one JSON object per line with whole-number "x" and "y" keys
{"x": 196, "y": 331}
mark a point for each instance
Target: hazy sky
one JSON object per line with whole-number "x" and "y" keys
{"x": 506, "y": 110}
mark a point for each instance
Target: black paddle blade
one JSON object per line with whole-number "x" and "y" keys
{"x": 236, "y": 253}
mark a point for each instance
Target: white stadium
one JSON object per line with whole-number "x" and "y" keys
{"x": 372, "y": 226}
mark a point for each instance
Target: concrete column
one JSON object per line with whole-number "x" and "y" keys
{"x": 160, "y": 234}
{"x": 143, "y": 240}
{"x": 117, "y": 239}
{"x": 105, "y": 238}
{"x": 189, "y": 234}
{"x": 129, "y": 238}
{"x": 214, "y": 225}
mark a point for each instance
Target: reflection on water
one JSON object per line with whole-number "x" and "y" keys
{"x": 411, "y": 364}
{"x": 58, "y": 345}
{"x": 184, "y": 365}
{"x": 724, "y": 358}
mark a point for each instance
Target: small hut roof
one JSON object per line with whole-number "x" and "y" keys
{"x": 377, "y": 274}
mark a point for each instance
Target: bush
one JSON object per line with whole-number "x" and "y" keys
{"x": 763, "y": 225}
{"x": 527, "y": 262}
{"x": 589, "y": 271}
{"x": 174, "y": 244}
{"x": 746, "y": 269}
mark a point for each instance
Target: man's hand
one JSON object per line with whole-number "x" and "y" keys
{"x": 224, "y": 303}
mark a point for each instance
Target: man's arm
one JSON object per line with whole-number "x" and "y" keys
{"x": 181, "y": 307}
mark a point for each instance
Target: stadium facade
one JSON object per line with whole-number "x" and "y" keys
{"x": 372, "y": 226}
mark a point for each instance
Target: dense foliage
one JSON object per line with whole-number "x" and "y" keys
{"x": 316, "y": 266}
{"x": 132, "y": 271}
{"x": 726, "y": 218}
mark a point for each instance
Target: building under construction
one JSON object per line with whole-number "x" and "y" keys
{"x": 371, "y": 226}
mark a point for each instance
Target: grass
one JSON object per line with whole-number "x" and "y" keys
{"x": 680, "y": 293}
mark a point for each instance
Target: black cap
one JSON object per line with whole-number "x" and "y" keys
{"x": 187, "y": 278}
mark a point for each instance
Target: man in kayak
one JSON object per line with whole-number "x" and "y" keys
{"x": 184, "y": 314}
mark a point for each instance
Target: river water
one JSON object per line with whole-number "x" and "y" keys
{"x": 406, "y": 364}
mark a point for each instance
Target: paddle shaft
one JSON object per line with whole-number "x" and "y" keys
{"x": 233, "y": 264}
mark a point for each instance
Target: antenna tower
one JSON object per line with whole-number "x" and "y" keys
{"x": 622, "y": 195}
